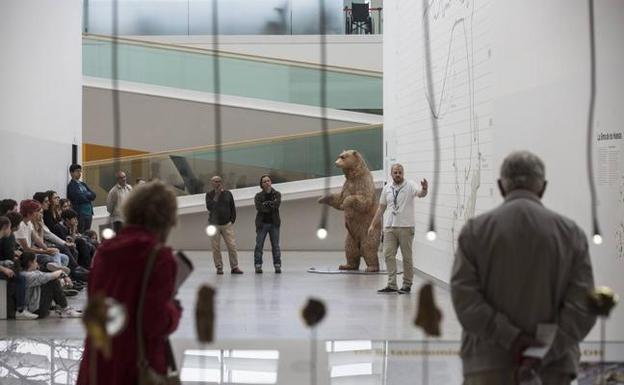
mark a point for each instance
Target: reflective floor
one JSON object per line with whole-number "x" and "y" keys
{"x": 365, "y": 338}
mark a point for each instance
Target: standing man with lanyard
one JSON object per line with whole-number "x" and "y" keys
{"x": 220, "y": 204}
{"x": 398, "y": 226}
{"x": 80, "y": 196}
{"x": 268, "y": 221}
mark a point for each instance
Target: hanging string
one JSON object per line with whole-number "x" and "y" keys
{"x": 115, "y": 86}
{"x": 108, "y": 232}
{"x": 597, "y": 238}
{"x": 322, "y": 230}
{"x": 431, "y": 232}
{"x": 216, "y": 78}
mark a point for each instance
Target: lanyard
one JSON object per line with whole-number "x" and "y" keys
{"x": 395, "y": 194}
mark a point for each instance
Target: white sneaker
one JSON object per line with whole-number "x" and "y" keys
{"x": 69, "y": 312}
{"x": 25, "y": 315}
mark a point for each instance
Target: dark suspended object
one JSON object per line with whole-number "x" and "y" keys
{"x": 103, "y": 318}
{"x": 601, "y": 300}
{"x": 108, "y": 232}
{"x": 428, "y": 318}
{"x": 205, "y": 314}
{"x": 428, "y": 315}
{"x": 313, "y": 312}
{"x": 211, "y": 230}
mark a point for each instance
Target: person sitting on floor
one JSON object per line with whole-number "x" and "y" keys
{"x": 68, "y": 229}
{"x": 43, "y": 288}
{"x": 10, "y": 271}
{"x": 65, "y": 246}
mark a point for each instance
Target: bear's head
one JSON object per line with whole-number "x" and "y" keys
{"x": 350, "y": 160}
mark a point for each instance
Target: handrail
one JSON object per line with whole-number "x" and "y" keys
{"x": 242, "y": 143}
{"x": 228, "y": 54}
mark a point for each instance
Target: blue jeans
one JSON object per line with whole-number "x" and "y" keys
{"x": 261, "y": 233}
{"x": 84, "y": 222}
{"x": 58, "y": 258}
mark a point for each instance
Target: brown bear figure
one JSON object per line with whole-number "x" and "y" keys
{"x": 357, "y": 200}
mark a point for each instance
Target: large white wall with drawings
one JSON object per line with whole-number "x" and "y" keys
{"x": 507, "y": 75}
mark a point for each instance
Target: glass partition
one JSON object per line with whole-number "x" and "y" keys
{"x": 286, "y": 159}
{"x": 340, "y": 362}
{"x": 241, "y": 75}
{"x": 194, "y": 17}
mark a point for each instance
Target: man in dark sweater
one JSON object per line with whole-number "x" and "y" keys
{"x": 222, "y": 215}
{"x": 81, "y": 198}
{"x": 268, "y": 221}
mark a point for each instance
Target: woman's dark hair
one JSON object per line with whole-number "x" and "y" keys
{"x": 50, "y": 194}
{"x": 40, "y": 196}
{"x": 26, "y": 259}
{"x": 7, "y": 205}
{"x": 4, "y": 221}
{"x": 262, "y": 177}
{"x": 68, "y": 214}
{"x": 15, "y": 218}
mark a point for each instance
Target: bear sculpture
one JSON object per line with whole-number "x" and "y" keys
{"x": 357, "y": 200}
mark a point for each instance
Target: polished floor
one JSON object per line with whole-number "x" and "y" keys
{"x": 267, "y": 306}
{"x": 366, "y": 338}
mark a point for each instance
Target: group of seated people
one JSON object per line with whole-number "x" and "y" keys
{"x": 43, "y": 257}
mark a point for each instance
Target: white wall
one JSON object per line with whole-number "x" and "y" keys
{"x": 362, "y": 52}
{"x": 40, "y": 112}
{"x": 508, "y": 76}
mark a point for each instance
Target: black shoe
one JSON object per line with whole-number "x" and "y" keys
{"x": 258, "y": 270}
{"x": 278, "y": 270}
{"x": 70, "y": 292}
{"x": 387, "y": 290}
{"x": 236, "y": 270}
{"x": 405, "y": 290}
{"x": 220, "y": 271}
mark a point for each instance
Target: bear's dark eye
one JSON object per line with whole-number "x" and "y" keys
{"x": 341, "y": 156}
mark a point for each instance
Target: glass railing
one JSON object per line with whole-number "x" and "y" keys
{"x": 194, "y": 17}
{"x": 339, "y": 362}
{"x": 241, "y": 75}
{"x": 286, "y": 159}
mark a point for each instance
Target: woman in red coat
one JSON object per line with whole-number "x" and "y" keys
{"x": 117, "y": 272}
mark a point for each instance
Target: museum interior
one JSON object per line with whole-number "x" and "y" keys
{"x": 441, "y": 183}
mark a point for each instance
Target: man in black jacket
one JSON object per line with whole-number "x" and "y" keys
{"x": 268, "y": 221}
{"x": 222, "y": 215}
{"x": 81, "y": 198}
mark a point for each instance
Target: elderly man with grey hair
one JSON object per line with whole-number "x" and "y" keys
{"x": 516, "y": 267}
{"x": 115, "y": 198}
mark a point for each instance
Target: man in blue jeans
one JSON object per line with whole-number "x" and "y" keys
{"x": 80, "y": 196}
{"x": 267, "y": 222}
